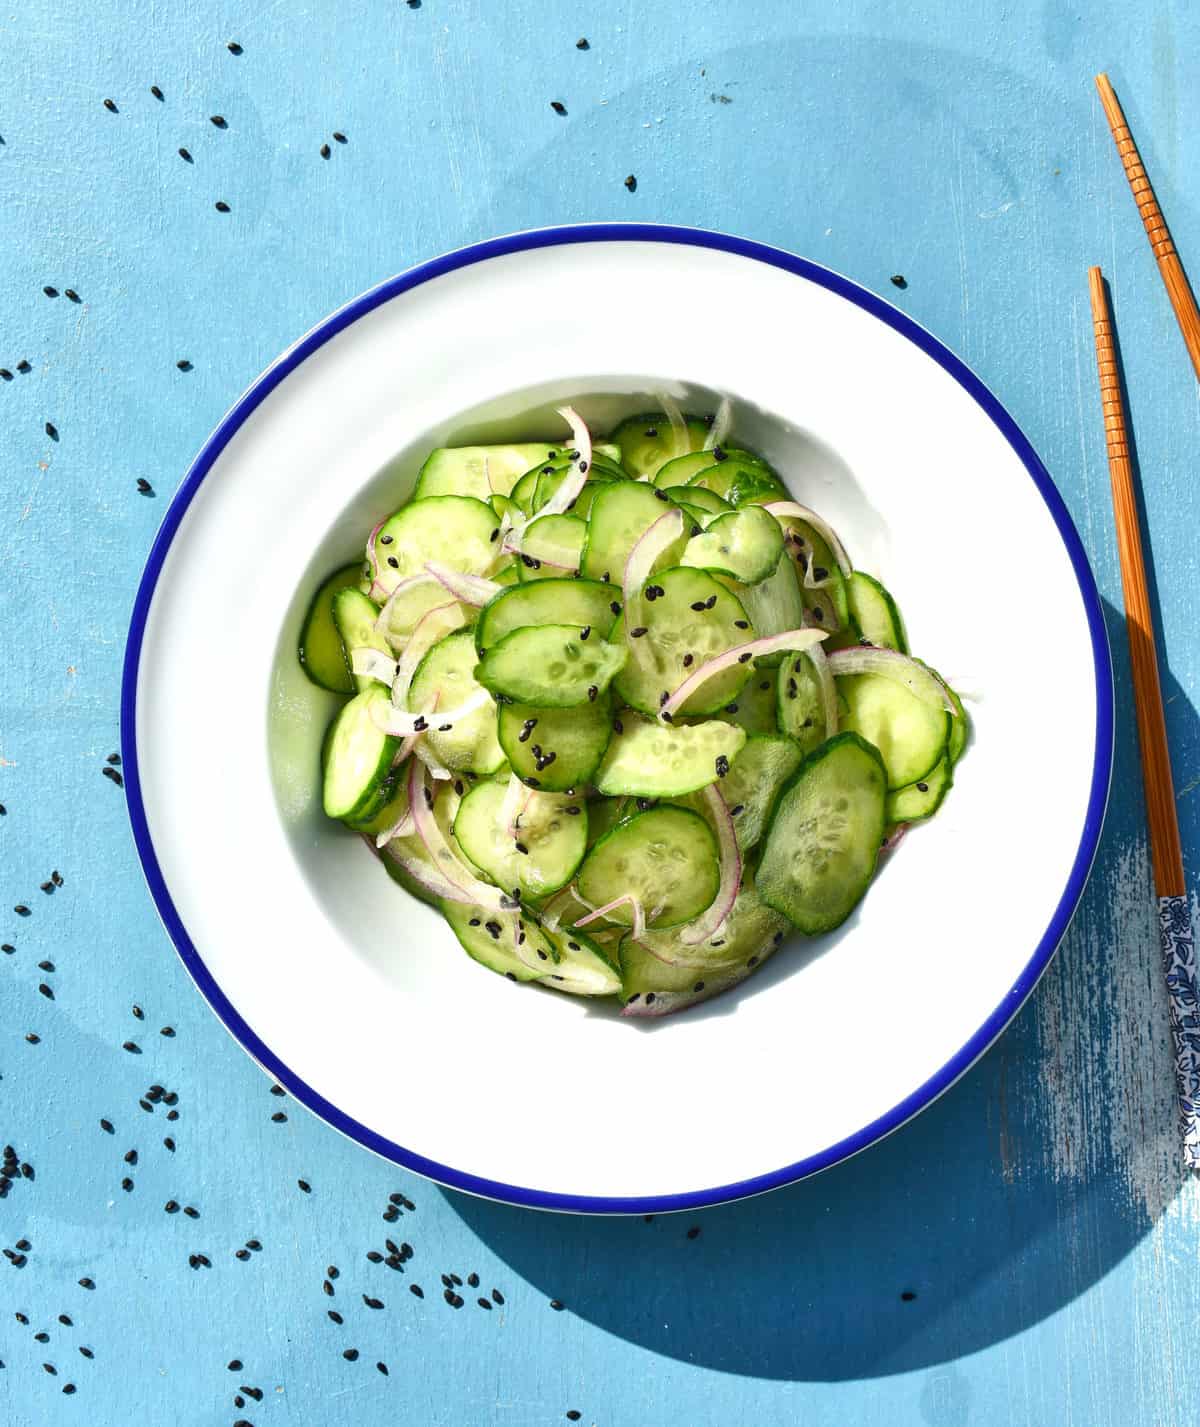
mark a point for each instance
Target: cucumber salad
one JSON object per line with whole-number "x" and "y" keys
{"x": 623, "y": 710}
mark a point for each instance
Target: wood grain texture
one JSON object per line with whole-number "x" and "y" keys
{"x": 1035, "y": 1216}
{"x": 1166, "y": 854}
{"x": 1162, "y": 245}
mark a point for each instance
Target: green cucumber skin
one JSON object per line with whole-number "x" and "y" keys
{"x": 816, "y": 926}
{"x": 320, "y": 651}
{"x": 629, "y": 828}
{"x": 375, "y": 786}
{"x": 866, "y": 599}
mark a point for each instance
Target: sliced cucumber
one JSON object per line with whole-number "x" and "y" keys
{"x": 873, "y": 613}
{"x": 551, "y": 547}
{"x": 407, "y": 607}
{"x": 583, "y": 602}
{"x": 584, "y": 967}
{"x": 322, "y": 654}
{"x": 666, "y": 858}
{"x": 773, "y": 606}
{"x": 554, "y": 665}
{"x": 750, "y": 929}
{"x": 649, "y": 759}
{"x": 826, "y": 605}
{"x": 745, "y": 545}
{"x": 800, "y": 708}
{"x": 922, "y": 799}
{"x": 741, "y": 481}
{"x": 648, "y": 442}
{"x": 358, "y": 757}
{"x": 547, "y": 484}
{"x": 910, "y": 734}
{"x": 455, "y": 530}
{"x": 447, "y": 672}
{"x": 754, "y": 707}
{"x": 354, "y": 616}
{"x": 556, "y": 749}
{"x": 960, "y": 727}
{"x": 525, "y": 490}
{"x": 548, "y": 846}
{"x": 680, "y": 469}
{"x": 391, "y": 809}
{"x": 755, "y": 776}
{"x": 621, "y": 513}
{"x": 693, "y": 620}
{"x": 460, "y": 470}
{"x": 491, "y": 939}
{"x": 824, "y": 835}
{"x": 697, "y": 498}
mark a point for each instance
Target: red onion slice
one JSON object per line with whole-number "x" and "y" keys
{"x": 372, "y": 557}
{"x": 721, "y": 423}
{"x": 572, "y": 483}
{"x": 639, "y": 916}
{"x": 469, "y": 589}
{"x": 373, "y": 664}
{"x": 403, "y": 827}
{"x": 428, "y": 877}
{"x": 451, "y": 867}
{"x": 919, "y": 680}
{"x": 714, "y": 918}
{"x": 829, "y": 703}
{"x": 785, "y": 508}
{"x": 401, "y": 723}
{"x": 649, "y": 546}
{"x": 679, "y": 429}
{"x": 431, "y": 627}
{"x": 740, "y": 654}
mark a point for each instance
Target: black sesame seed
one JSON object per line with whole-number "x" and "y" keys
{"x": 694, "y": 1232}
{"x": 127, "y": 1185}
{"x": 375, "y": 1303}
{"x": 242, "y": 1254}
{"x": 484, "y": 1303}
{"x": 582, "y": 44}
{"x": 339, "y": 137}
{"x": 132, "y": 1047}
{"x": 722, "y": 765}
{"x": 649, "y": 998}
{"x": 736, "y": 809}
{"x": 234, "y": 48}
{"x": 32, "y": 1037}
{"x": 110, "y": 106}
{"x": 253, "y": 1244}
{"x": 592, "y": 692}
{"x": 374, "y": 1256}
{"x": 908, "y": 1296}
{"x": 23, "y": 366}
{"x": 753, "y": 961}
{"x": 710, "y": 602}
{"x": 557, "y": 1305}
{"x": 350, "y": 1354}
{"x": 615, "y": 606}
{"x": 49, "y": 994}
{"x": 325, "y": 151}
{"x": 327, "y": 1288}
{"x": 185, "y": 156}
{"x": 558, "y": 106}
{"x": 87, "y": 1283}
{"x": 899, "y": 280}
{"x": 698, "y": 606}
{"x": 304, "y": 1186}
{"x": 131, "y": 1156}
{"x": 191, "y": 1212}
{"x": 86, "y": 1352}
{"x": 638, "y": 632}
{"x": 221, "y": 206}
{"x": 745, "y": 658}
{"x": 334, "y": 1316}
{"x": 167, "y": 1031}
{"x": 922, "y": 787}
{"x": 741, "y": 624}
{"x": 234, "y": 1365}
{"x": 585, "y": 631}
{"x": 41, "y": 1337}
{"x": 731, "y": 708}
{"x": 416, "y": 1290}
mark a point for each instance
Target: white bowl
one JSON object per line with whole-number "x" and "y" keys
{"x": 357, "y": 997}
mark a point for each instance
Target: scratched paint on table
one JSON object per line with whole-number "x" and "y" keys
{"x": 1025, "y": 1251}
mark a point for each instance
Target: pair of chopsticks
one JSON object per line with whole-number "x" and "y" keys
{"x": 1174, "y": 914}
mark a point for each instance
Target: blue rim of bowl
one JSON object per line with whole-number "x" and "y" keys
{"x": 959, "y": 1063}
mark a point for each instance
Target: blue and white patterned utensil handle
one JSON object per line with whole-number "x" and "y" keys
{"x": 1183, "y": 996}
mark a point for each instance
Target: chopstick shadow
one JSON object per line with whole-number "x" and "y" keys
{"x": 1026, "y": 1183}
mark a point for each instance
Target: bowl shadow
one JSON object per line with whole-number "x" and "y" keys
{"x": 1017, "y": 1190}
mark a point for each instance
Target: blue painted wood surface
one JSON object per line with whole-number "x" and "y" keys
{"x": 1023, "y": 1253}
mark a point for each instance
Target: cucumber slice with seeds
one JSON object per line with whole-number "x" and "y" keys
{"x": 754, "y": 707}
{"x": 824, "y": 835}
{"x": 548, "y": 847}
{"x": 648, "y": 442}
{"x": 755, "y": 776}
{"x": 800, "y": 708}
{"x": 455, "y": 530}
{"x": 354, "y": 617}
{"x": 693, "y": 620}
{"x": 491, "y": 940}
{"x": 874, "y": 614}
{"x": 582, "y": 602}
{"x": 666, "y": 858}
{"x": 447, "y": 672}
{"x": 745, "y": 545}
{"x": 554, "y": 665}
{"x": 460, "y": 470}
{"x": 556, "y": 749}
{"x": 696, "y": 498}
{"x": 621, "y": 514}
{"x": 649, "y": 759}
{"x": 322, "y": 654}
{"x": 741, "y": 482}
{"x": 680, "y": 469}
{"x": 407, "y": 607}
{"x": 911, "y": 735}
{"x": 750, "y": 929}
{"x": 551, "y": 546}
{"x": 358, "y": 758}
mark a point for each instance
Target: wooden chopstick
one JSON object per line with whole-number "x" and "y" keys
{"x": 1161, "y": 243}
{"x": 1166, "y": 855}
